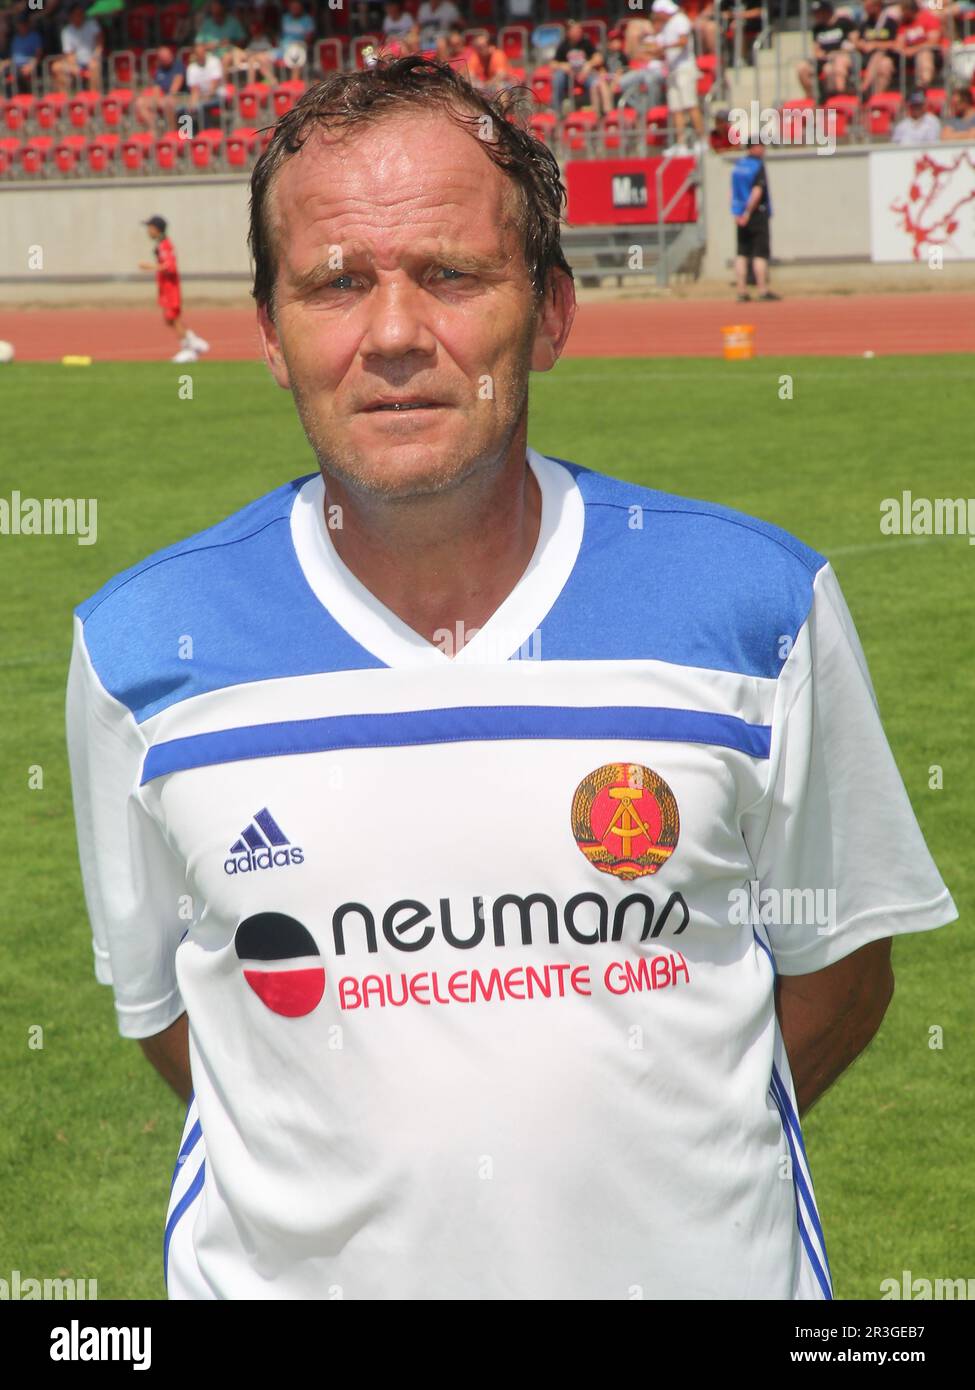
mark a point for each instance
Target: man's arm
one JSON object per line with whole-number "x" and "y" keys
{"x": 169, "y": 1053}
{"x": 829, "y": 1016}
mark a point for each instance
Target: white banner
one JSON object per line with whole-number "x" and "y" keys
{"x": 922, "y": 203}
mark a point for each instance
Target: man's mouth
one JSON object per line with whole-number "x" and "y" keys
{"x": 402, "y": 405}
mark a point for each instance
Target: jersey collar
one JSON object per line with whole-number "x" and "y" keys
{"x": 511, "y": 626}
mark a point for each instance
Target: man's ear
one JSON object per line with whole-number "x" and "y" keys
{"x": 555, "y": 315}
{"x": 271, "y": 343}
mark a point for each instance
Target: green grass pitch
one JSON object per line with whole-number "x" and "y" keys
{"x": 90, "y": 1133}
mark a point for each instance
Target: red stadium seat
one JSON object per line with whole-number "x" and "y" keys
{"x": 169, "y": 20}
{"x": 879, "y": 121}
{"x": 541, "y": 85}
{"x": 34, "y": 153}
{"x": 18, "y": 112}
{"x": 115, "y": 105}
{"x": 885, "y": 101}
{"x": 205, "y": 148}
{"x": 251, "y": 100}
{"x": 616, "y": 124}
{"x": 140, "y": 26}
{"x": 657, "y": 131}
{"x": 81, "y": 109}
{"x": 707, "y": 62}
{"x": 557, "y": 10}
{"x": 285, "y": 95}
{"x": 542, "y": 125}
{"x": 68, "y": 152}
{"x": 9, "y": 150}
{"x": 935, "y": 99}
{"x": 122, "y": 68}
{"x": 842, "y": 102}
{"x": 49, "y": 110}
{"x": 328, "y": 55}
{"x": 135, "y": 151}
{"x": 595, "y": 31}
{"x": 513, "y": 41}
{"x": 240, "y": 146}
{"x": 101, "y": 152}
{"x": 169, "y": 149}
{"x": 578, "y": 130}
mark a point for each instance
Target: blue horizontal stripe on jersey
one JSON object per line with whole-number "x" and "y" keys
{"x": 464, "y": 724}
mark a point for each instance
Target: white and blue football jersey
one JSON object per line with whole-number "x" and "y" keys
{"x": 479, "y": 951}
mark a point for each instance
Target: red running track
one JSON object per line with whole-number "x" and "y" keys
{"x": 824, "y": 325}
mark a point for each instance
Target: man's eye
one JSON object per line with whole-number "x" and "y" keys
{"x": 454, "y": 275}
{"x": 337, "y": 284}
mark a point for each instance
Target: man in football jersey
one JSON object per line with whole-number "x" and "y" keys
{"x": 499, "y": 856}
{"x": 169, "y": 291}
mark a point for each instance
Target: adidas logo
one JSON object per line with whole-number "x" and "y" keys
{"x": 262, "y": 845}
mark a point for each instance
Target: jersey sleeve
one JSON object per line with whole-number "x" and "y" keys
{"x": 135, "y": 887}
{"x": 836, "y": 842}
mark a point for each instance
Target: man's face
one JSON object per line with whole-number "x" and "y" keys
{"x": 165, "y": 57}
{"x": 574, "y": 33}
{"x": 959, "y": 104}
{"x": 432, "y": 303}
{"x": 76, "y": 15}
{"x": 199, "y": 53}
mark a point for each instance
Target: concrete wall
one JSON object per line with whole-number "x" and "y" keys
{"x": 89, "y": 232}
{"x": 820, "y": 207}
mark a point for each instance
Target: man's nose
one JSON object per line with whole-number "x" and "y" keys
{"x": 397, "y": 321}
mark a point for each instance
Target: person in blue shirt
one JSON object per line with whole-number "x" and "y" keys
{"x": 751, "y": 207}
{"x": 26, "y": 48}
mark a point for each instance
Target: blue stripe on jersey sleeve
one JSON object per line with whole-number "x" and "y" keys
{"x": 672, "y": 579}
{"x": 236, "y": 593}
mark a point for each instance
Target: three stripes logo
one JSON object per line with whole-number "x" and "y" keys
{"x": 262, "y": 845}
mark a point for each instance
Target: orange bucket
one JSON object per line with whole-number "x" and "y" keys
{"x": 739, "y": 341}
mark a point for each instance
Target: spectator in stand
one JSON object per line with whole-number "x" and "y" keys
{"x": 159, "y": 99}
{"x": 404, "y": 44}
{"x": 919, "y": 43}
{"x": 204, "y": 80}
{"x": 875, "y": 42}
{"x": 643, "y": 83}
{"x": 454, "y": 50}
{"x": 26, "y": 49}
{"x": 259, "y": 56}
{"x": 435, "y": 18}
{"x": 919, "y": 126}
{"x": 833, "y": 42}
{"x": 487, "y": 67}
{"x": 81, "y": 46}
{"x": 297, "y": 26}
{"x": 674, "y": 37}
{"x": 578, "y": 63}
{"x": 751, "y": 207}
{"x": 222, "y": 34}
{"x": 959, "y": 124}
{"x": 396, "y": 22}
{"x": 706, "y": 29}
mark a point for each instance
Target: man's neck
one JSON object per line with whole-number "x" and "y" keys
{"x": 443, "y": 563}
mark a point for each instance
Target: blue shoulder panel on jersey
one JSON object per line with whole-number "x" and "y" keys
{"x": 231, "y": 591}
{"x": 666, "y": 578}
